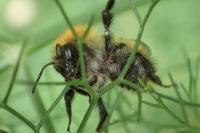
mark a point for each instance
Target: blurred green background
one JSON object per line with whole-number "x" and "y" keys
{"x": 172, "y": 33}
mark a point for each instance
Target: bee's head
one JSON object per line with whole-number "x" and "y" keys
{"x": 66, "y": 61}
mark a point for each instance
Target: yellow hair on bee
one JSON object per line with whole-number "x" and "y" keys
{"x": 96, "y": 41}
{"x": 68, "y": 37}
{"x": 130, "y": 43}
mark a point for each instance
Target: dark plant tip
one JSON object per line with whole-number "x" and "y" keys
{"x": 168, "y": 86}
{"x": 33, "y": 91}
{"x": 34, "y": 88}
{"x": 68, "y": 130}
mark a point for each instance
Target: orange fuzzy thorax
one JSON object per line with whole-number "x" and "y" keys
{"x": 68, "y": 37}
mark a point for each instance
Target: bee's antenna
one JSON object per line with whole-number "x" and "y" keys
{"x": 40, "y": 74}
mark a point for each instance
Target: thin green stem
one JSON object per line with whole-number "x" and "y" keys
{"x": 171, "y": 112}
{"x": 196, "y": 79}
{"x": 87, "y": 115}
{"x": 180, "y": 98}
{"x": 185, "y": 90}
{"x": 152, "y": 104}
{"x": 160, "y": 101}
{"x": 136, "y": 12}
{"x": 46, "y": 115}
{"x": 81, "y": 59}
{"x": 5, "y": 100}
{"x": 133, "y": 86}
{"x": 108, "y": 87}
{"x": 139, "y": 105}
{"x": 65, "y": 16}
{"x": 191, "y": 104}
{"x": 81, "y": 51}
{"x": 111, "y": 111}
{"x": 190, "y": 77}
{"x": 124, "y": 119}
{"x": 46, "y": 83}
{"x": 131, "y": 58}
{"x": 90, "y": 89}
{"x": 124, "y": 124}
{"x": 39, "y": 104}
{"x": 90, "y": 23}
{"x": 19, "y": 116}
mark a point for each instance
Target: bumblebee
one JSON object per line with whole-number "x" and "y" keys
{"x": 105, "y": 56}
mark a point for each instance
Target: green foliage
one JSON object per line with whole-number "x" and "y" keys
{"x": 185, "y": 112}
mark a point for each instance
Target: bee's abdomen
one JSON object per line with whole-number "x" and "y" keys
{"x": 142, "y": 69}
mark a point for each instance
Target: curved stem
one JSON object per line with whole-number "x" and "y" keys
{"x": 19, "y": 116}
{"x": 87, "y": 115}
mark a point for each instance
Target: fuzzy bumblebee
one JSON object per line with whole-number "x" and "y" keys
{"x": 101, "y": 65}
{"x": 105, "y": 57}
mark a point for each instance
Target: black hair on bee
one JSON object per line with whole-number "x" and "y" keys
{"x": 105, "y": 56}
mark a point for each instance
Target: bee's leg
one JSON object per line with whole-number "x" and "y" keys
{"x": 154, "y": 78}
{"x": 107, "y": 18}
{"x": 103, "y": 114}
{"x": 149, "y": 70}
{"x": 68, "y": 101}
{"x": 85, "y": 93}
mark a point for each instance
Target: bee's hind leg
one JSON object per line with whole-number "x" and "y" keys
{"x": 103, "y": 114}
{"x": 155, "y": 79}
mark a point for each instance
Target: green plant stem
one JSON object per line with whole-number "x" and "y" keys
{"x": 190, "y": 77}
{"x": 18, "y": 115}
{"x": 108, "y": 87}
{"x": 47, "y": 83}
{"x": 191, "y": 104}
{"x": 139, "y": 105}
{"x": 124, "y": 119}
{"x": 171, "y": 112}
{"x": 124, "y": 123}
{"x": 105, "y": 127}
{"x": 81, "y": 51}
{"x": 180, "y": 98}
{"x": 82, "y": 60}
{"x": 133, "y": 86}
{"x": 185, "y": 90}
{"x": 196, "y": 79}
{"x": 5, "y": 100}
{"x": 46, "y": 115}
{"x": 87, "y": 115}
{"x": 136, "y": 12}
{"x": 152, "y": 104}
{"x": 93, "y": 93}
{"x": 39, "y": 104}
{"x": 131, "y": 58}
{"x": 160, "y": 101}
{"x": 65, "y": 16}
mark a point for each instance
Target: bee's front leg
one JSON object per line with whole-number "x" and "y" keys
{"x": 85, "y": 93}
{"x": 68, "y": 103}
